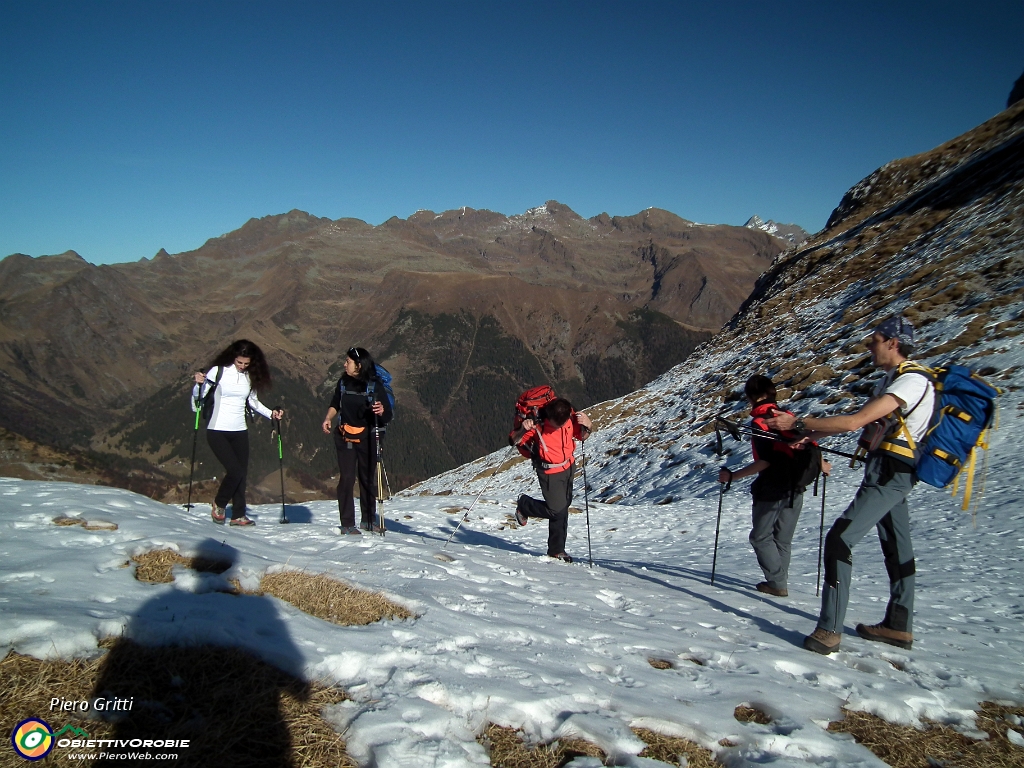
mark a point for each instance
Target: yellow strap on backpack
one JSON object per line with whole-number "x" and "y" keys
{"x": 899, "y": 449}
{"x": 981, "y": 444}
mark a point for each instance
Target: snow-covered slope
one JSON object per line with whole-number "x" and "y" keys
{"x": 560, "y": 650}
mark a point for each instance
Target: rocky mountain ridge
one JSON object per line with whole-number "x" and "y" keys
{"x": 465, "y": 307}
{"x": 938, "y": 237}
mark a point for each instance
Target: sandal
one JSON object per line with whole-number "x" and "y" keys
{"x": 243, "y": 520}
{"x": 218, "y": 514}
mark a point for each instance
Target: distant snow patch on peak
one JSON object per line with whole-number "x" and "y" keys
{"x": 540, "y": 210}
{"x": 756, "y": 222}
{"x": 791, "y": 233}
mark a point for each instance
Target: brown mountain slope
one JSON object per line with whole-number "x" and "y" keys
{"x": 468, "y": 307}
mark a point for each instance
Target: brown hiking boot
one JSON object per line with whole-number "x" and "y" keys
{"x": 882, "y": 634}
{"x": 768, "y": 589}
{"x": 822, "y": 641}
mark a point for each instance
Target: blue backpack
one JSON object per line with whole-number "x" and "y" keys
{"x": 965, "y": 409}
{"x": 385, "y": 379}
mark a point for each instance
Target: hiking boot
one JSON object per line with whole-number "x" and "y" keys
{"x": 882, "y": 634}
{"x": 822, "y": 641}
{"x": 243, "y": 520}
{"x": 219, "y": 514}
{"x": 768, "y": 589}
{"x": 349, "y": 530}
{"x": 521, "y": 518}
{"x": 562, "y": 556}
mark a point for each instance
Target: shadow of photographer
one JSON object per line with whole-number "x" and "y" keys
{"x": 215, "y": 668}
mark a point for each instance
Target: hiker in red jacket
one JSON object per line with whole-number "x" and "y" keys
{"x": 550, "y": 442}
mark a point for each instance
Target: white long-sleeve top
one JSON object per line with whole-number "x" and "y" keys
{"x": 229, "y": 399}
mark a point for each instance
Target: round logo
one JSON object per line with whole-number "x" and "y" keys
{"x": 32, "y": 739}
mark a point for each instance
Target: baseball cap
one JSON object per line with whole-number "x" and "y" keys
{"x": 897, "y": 327}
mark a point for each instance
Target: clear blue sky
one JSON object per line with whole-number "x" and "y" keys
{"x": 130, "y": 127}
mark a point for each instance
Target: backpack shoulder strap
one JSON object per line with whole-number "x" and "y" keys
{"x": 909, "y": 366}
{"x": 213, "y": 386}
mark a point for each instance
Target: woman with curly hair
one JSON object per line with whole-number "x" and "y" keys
{"x": 361, "y": 403}
{"x": 234, "y": 380}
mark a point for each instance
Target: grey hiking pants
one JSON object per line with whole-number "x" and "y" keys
{"x": 881, "y": 502}
{"x": 774, "y": 523}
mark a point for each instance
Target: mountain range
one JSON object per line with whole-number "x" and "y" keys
{"x": 465, "y": 307}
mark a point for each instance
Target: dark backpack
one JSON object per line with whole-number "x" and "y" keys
{"x": 802, "y": 466}
{"x": 207, "y": 406}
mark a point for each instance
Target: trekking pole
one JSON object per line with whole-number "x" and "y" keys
{"x": 736, "y": 430}
{"x": 192, "y": 465}
{"x": 280, "y": 463}
{"x": 821, "y": 532}
{"x": 722, "y": 488}
{"x": 465, "y": 517}
{"x": 586, "y": 502}
{"x": 380, "y": 489}
{"x": 387, "y": 483}
{"x": 720, "y": 451}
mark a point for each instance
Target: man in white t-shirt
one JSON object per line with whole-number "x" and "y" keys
{"x": 881, "y": 500}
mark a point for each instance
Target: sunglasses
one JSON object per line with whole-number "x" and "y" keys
{"x": 354, "y": 354}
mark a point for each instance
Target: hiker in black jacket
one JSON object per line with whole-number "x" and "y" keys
{"x": 361, "y": 404}
{"x": 778, "y": 498}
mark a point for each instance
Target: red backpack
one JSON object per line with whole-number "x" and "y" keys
{"x": 530, "y": 402}
{"x": 528, "y": 406}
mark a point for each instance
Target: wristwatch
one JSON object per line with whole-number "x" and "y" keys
{"x": 799, "y": 426}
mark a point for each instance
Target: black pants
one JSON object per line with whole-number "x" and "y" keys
{"x": 557, "y": 491}
{"x": 356, "y": 460}
{"x": 231, "y": 450}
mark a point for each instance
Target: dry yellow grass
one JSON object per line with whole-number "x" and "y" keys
{"x": 89, "y": 525}
{"x": 668, "y": 748}
{"x": 315, "y": 593}
{"x": 746, "y": 714}
{"x": 319, "y": 595}
{"x": 904, "y": 747}
{"x": 155, "y": 566}
{"x": 234, "y": 709}
{"x": 507, "y": 749}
